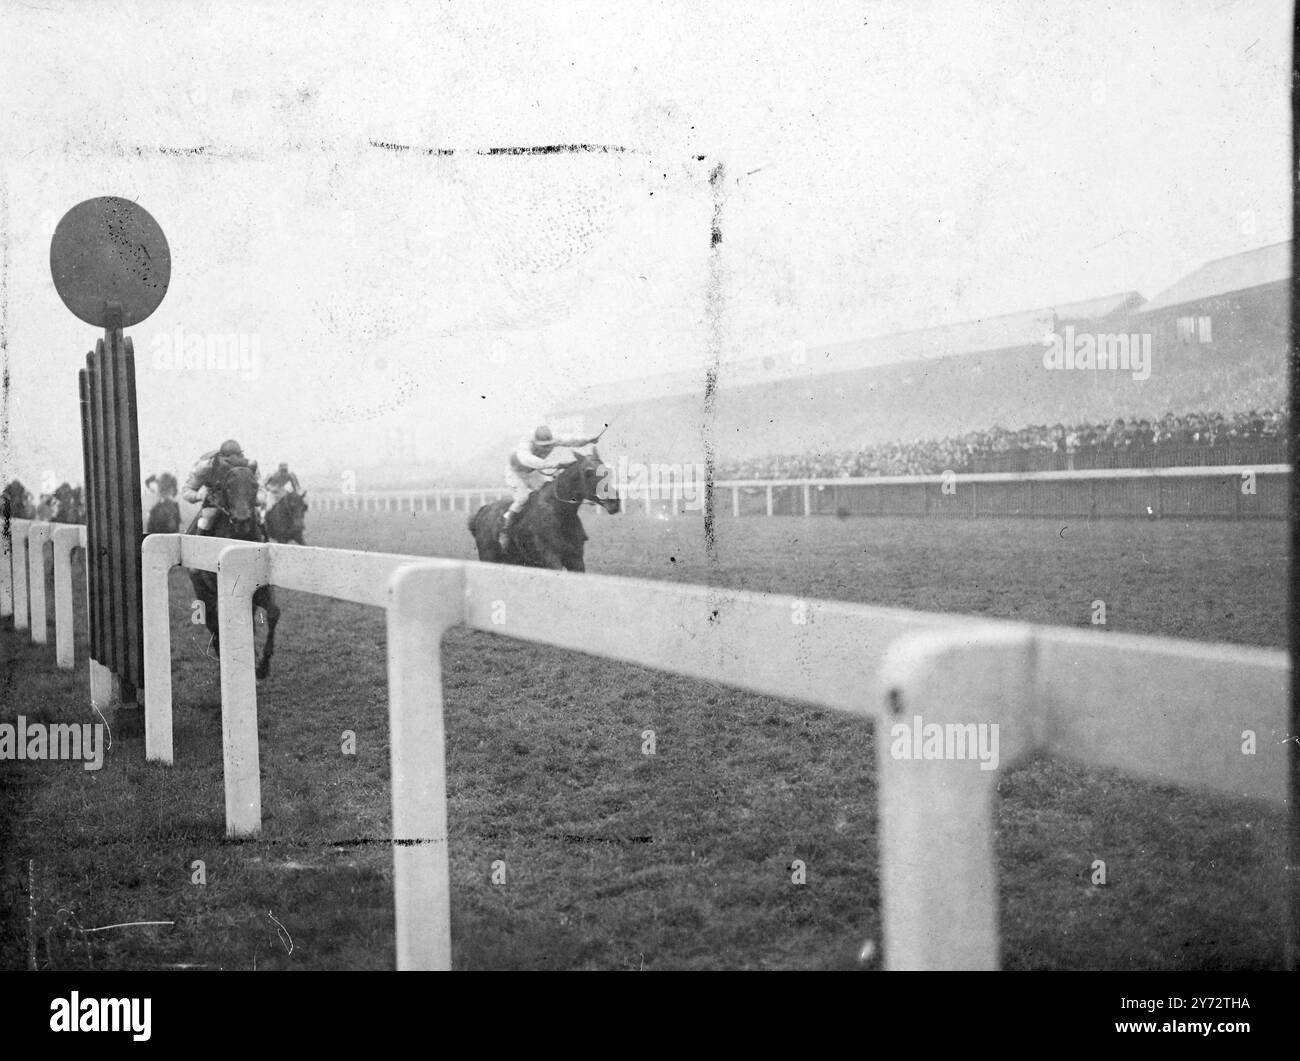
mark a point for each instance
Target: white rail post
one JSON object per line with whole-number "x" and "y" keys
{"x": 807, "y": 500}
{"x": 735, "y": 501}
{"x": 66, "y": 538}
{"x": 769, "y": 500}
{"x": 424, "y": 601}
{"x": 240, "y": 571}
{"x": 39, "y": 534}
{"x": 159, "y": 554}
{"x": 105, "y": 688}
{"x": 20, "y": 527}
{"x": 938, "y": 873}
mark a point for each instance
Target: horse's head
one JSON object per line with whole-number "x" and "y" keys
{"x": 239, "y": 488}
{"x": 587, "y": 478}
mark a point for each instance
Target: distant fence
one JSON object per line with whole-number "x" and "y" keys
{"x": 1226, "y": 492}
{"x": 1178, "y": 712}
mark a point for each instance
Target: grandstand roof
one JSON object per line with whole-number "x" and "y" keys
{"x": 1002, "y": 332}
{"x": 1236, "y": 272}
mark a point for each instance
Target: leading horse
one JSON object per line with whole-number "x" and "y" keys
{"x": 547, "y": 532}
{"x": 236, "y": 519}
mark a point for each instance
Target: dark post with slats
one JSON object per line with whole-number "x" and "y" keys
{"x": 115, "y": 517}
{"x": 111, "y": 266}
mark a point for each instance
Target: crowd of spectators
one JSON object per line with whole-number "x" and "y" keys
{"x": 1194, "y": 438}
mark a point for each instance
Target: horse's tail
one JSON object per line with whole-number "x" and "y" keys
{"x": 473, "y": 522}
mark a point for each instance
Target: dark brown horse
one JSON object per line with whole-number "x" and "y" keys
{"x": 236, "y": 502}
{"x": 286, "y": 518}
{"x": 68, "y": 506}
{"x": 164, "y": 517}
{"x": 547, "y": 532}
{"x": 16, "y": 502}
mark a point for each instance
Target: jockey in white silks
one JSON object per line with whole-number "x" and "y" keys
{"x": 530, "y": 467}
{"x": 205, "y": 479}
{"x": 280, "y": 482}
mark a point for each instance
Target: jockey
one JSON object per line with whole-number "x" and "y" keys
{"x": 530, "y": 467}
{"x": 205, "y": 478}
{"x": 280, "y": 482}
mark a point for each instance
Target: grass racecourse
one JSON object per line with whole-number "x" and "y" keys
{"x": 617, "y": 860}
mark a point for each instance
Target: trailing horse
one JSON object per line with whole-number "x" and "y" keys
{"x": 236, "y": 519}
{"x": 285, "y": 519}
{"x": 547, "y": 532}
{"x": 164, "y": 517}
{"x": 16, "y": 502}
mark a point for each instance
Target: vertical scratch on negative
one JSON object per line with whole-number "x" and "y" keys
{"x": 31, "y": 914}
{"x": 4, "y": 326}
{"x": 714, "y": 316}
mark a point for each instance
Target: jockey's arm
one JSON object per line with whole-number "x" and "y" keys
{"x": 195, "y": 488}
{"x": 574, "y": 443}
{"x": 525, "y": 456}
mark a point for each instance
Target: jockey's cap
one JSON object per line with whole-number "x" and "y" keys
{"x": 231, "y": 448}
{"x": 543, "y": 437}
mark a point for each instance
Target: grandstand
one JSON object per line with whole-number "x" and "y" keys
{"x": 1217, "y": 341}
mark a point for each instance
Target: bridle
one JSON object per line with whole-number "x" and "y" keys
{"x": 252, "y": 520}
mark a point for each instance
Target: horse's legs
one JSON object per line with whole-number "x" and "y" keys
{"x": 272, "y": 612}
{"x": 210, "y": 620}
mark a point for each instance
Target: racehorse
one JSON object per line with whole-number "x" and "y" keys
{"x": 16, "y": 502}
{"x": 237, "y": 519}
{"x": 164, "y": 484}
{"x": 67, "y": 505}
{"x": 547, "y": 532}
{"x": 164, "y": 517}
{"x": 285, "y": 519}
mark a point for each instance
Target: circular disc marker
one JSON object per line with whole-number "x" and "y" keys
{"x": 110, "y": 250}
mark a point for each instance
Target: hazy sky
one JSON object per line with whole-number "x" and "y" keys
{"x": 887, "y": 166}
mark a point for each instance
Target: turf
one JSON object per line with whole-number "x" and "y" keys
{"x": 613, "y": 859}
